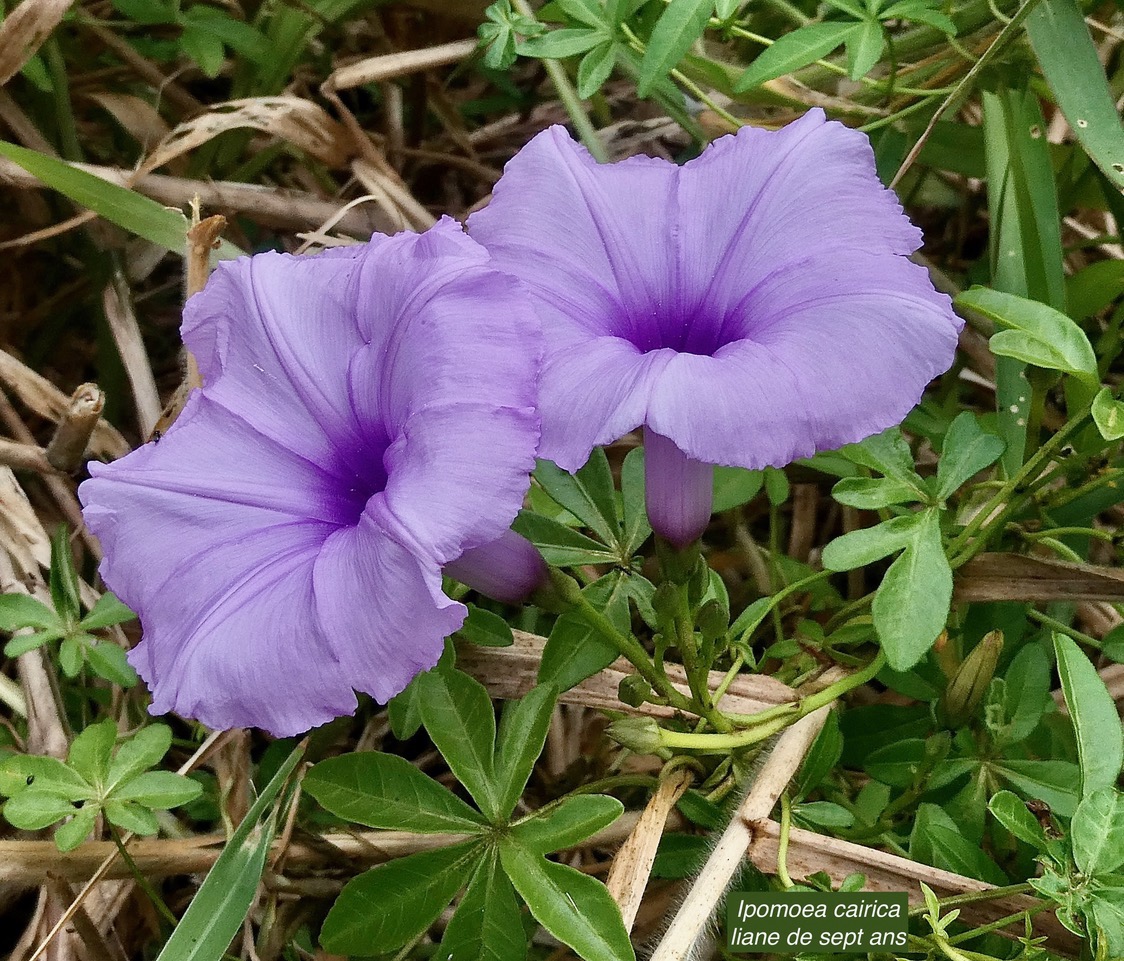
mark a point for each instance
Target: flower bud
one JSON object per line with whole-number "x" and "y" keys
{"x": 508, "y": 569}
{"x": 638, "y": 734}
{"x": 713, "y": 620}
{"x": 678, "y": 490}
{"x": 966, "y": 690}
{"x": 633, "y": 690}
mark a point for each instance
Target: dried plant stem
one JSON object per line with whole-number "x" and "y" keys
{"x": 24, "y": 457}
{"x": 67, "y": 448}
{"x": 726, "y": 858}
{"x": 391, "y": 65}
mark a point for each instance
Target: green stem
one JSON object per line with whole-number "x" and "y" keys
{"x": 782, "y": 841}
{"x": 569, "y": 97}
{"x": 142, "y": 882}
{"x": 759, "y": 727}
{"x": 1046, "y": 621}
{"x": 974, "y": 897}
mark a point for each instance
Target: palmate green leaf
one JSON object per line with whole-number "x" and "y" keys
{"x": 560, "y": 545}
{"x": 589, "y": 494}
{"x": 68, "y": 836}
{"x": 575, "y": 650}
{"x": 392, "y": 904}
{"x": 487, "y": 925}
{"x": 568, "y": 823}
{"x": 21, "y": 772}
{"x": 897, "y": 764}
{"x": 458, "y": 714}
{"x": 522, "y": 733}
{"x": 19, "y": 610}
{"x": 388, "y": 791}
{"x": 131, "y": 816}
{"x": 108, "y": 660}
{"x": 864, "y": 48}
{"x": 1034, "y": 332}
{"x": 220, "y": 906}
{"x": 889, "y": 454}
{"x": 919, "y": 12}
{"x": 679, "y": 26}
{"x": 1108, "y": 415}
{"x": 108, "y": 610}
{"x": 144, "y": 750}
{"x": 1025, "y": 695}
{"x": 91, "y": 750}
{"x": 574, "y": 907}
{"x": 912, "y": 603}
{"x": 29, "y": 642}
{"x": 870, "y": 544}
{"x": 967, "y": 450}
{"x": 1097, "y": 832}
{"x": 1011, "y": 811}
{"x": 63, "y": 577}
{"x": 954, "y": 852}
{"x": 794, "y": 50}
{"x": 159, "y": 789}
{"x": 595, "y": 68}
{"x": 634, "y": 513}
{"x": 1068, "y": 58}
{"x": 486, "y": 629}
{"x": 588, "y": 12}
{"x": 565, "y": 42}
{"x": 1100, "y": 739}
{"x": 135, "y": 213}
{"x": 873, "y": 493}
{"x": 34, "y": 809}
{"x": 1054, "y": 782}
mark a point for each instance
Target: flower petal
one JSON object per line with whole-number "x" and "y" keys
{"x": 444, "y": 493}
{"x": 273, "y": 335}
{"x": 842, "y": 354}
{"x": 383, "y": 609}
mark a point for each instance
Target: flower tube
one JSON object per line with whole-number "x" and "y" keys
{"x": 367, "y": 416}
{"x": 749, "y": 308}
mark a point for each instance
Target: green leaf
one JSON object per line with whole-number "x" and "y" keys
{"x": 135, "y": 213}
{"x": 873, "y": 493}
{"x": 19, "y": 610}
{"x": 1054, "y": 782}
{"x": 144, "y": 750}
{"x": 487, "y": 925}
{"x": 458, "y": 714}
{"x": 1026, "y": 694}
{"x": 912, "y": 603}
{"x": 486, "y": 629}
{"x": 636, "y": 526}
{"x": 1105, "y": 909}
{"x": 204, "y": 48}
{"x": 1108, "y": 415}
{"x": 29, "y": 642}
{"x": 1100, "y": 740}
{"x": 793, "y": 51}
{"x": 596, "y": 67}
{"x": 864, "y": 48}
{"x": 159, "y": 789}
{"x": 238, "y": 36}
{"x": 392, "y": 904}
{"x": 91, "y": 750}
{"x": 71, "y": 655}
{"x": 570, "y": 822}
{"x": 63, "y": 577}
{"x": 131, "y": 816}
{"x": 956, "y": 853}
{"x": 821, "y": 759}
{"x": 919, "y": 12}
{"x": 220, "y": 906}
{"x": 68, "y": 836}
{"x": 589, "y": 494}
{"x": 824, "y": 814}
{"x": 33, "y": 809}
{"x": 404, "y": 712}
{"x": 575, "y": 650}
{"x": 967, "y": 450}
{"x": 387, "y": 791}
{"x": 109, "y": 660}
{"x": 889, "y": 454}
{"x": 556, "y": 44}
{"x": 107, "y": 611}
{"x": 572, "y": 906}
{"x": 870, "y": 544}
{"x": 19, "y": 772}
{"x": 679, "y": 26}
{"x": 1011, "y": 811}
{"x": 1069, "y": 61}
{"x": 897, "y": 764}
{"x": 560, "y": 545}
{"x": 1033, "y": 332}
{"x": 1097, "y": 832}
{"x": 522, "y": 733}
{"x": 588, "y": 12}
{"x": 734, "y": 486}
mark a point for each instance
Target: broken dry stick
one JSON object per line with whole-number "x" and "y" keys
{"x": 67, "y": 449}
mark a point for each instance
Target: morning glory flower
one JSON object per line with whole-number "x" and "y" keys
{"x": 367, "y": 416}
{"x": 748, "y": 308}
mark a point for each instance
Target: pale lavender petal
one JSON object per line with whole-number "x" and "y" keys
{"x": 508, "y": 569}
{"x": 678, "y": 490}
{"x": 382, "y": 608}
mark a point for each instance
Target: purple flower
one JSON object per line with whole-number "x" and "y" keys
{"x": 368, "y": 415}
{"x": 751, "y": 307}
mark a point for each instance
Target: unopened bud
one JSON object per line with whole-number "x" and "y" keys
{"x": 699, "y": 583}
{"x": 559, "y": 594}
{"x": 965, "y": 692}
{"x": 639, "y": 734}
{"x": 665, "y": 601}
{"x": 713, "y": 620}
{"x": 633, "y": 690}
